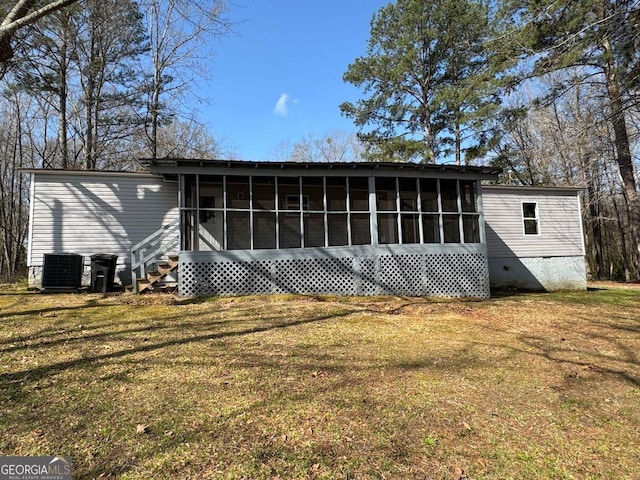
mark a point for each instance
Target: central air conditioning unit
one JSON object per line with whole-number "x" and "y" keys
{"x": 62, "y": 271}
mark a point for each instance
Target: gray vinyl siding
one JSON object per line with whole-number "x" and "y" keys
{"x": 97, "y": 213}
{"x": 559, "y": 223}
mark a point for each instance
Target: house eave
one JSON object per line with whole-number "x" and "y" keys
{"x": 84, "y": 173}
{"x": 173, "y": 166}
{"x": 524, "y": 189}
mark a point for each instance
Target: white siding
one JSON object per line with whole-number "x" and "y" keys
{"x": 97, "y": 213}
{"x": 560, "y": 229}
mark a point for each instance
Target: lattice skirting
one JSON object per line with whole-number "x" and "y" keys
{"x": 413, "y": 270}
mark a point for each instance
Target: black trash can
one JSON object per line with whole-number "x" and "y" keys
{"x": 103, "y": 270}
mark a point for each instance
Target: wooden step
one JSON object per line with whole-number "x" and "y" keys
{"x": 144, "y": 285}
{"x": 153, "y": 277}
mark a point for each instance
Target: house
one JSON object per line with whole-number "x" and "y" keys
{"x": 236, "y": 227}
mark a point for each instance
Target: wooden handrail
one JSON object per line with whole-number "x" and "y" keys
{"x": 157, "y": 234}
{"x": 150, "y": 248}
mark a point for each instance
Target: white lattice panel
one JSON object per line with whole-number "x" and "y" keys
{"x": 401, "y": 270}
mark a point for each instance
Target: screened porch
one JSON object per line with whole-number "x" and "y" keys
{"x": 337, "y": 228}
{"x": 258, "y": 212}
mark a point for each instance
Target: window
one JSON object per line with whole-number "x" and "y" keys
{"x": 530, "y": 218}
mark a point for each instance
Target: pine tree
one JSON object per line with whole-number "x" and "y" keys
{"x": 424, "y": 77}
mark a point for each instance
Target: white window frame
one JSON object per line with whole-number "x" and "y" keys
{"x": 536, "y": 218}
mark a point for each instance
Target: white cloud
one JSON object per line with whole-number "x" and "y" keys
{"x": 282, "y": 105}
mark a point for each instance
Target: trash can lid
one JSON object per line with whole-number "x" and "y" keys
{"x": 103, "y": 256}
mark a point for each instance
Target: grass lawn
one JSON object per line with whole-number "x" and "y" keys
{"x": 140, "y": 387}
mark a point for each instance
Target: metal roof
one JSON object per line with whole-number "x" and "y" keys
{"x": 175, "y": 165}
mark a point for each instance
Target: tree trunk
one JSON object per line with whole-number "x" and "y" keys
{"x": 624, "y": 159}
{"x": 458, "y": 142}
{"x": 63, "y": 122}
{"x": 596, "y": 231}
{"x": 155, "y": 108}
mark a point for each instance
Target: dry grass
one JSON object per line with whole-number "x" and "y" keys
{"x": 139, "y": 387}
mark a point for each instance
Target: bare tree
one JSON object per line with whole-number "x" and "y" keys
{"x": 571, "y": 142}
{"x": 332, "y": 146}
{"x": 177, "y": 31}
{"x": 15, "y": 152}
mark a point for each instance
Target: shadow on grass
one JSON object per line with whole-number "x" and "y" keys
{"x": 91, "y": 303}
{"x": 40, "y": 372}
{"x": 324, "y": 370}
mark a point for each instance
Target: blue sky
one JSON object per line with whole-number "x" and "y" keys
{"x": 280, "y": 77}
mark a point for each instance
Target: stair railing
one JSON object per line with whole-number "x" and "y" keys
{"x": 148, "y": 250}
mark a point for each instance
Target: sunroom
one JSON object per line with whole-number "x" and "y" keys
{"x": 356, "y": 229}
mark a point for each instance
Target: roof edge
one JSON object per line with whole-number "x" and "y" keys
{"x": 60, "y": 171}
{"x": 171, "y": 164}
{"x": 533, "y": 188}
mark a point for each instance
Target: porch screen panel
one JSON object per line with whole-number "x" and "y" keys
{"x": 360, "y": 229}
{"x": 468, "y": 196}
{"x": 337, "y": 228}
{"x": 337, "y": 194}
{"x": 449, "y": 195}
{"x": 430, "y": 228}
{"x": 289, "y": 230}
{"x": 388, "y": 228}
{"x": 408, "y": 195}
{"x": 189, "y": 212}
{"x": 359, "y": 194}
{"x": 314, "y": 230}
{"x": 471, "y": 228}
{"x": 288, "y": 193}
{"x": 264, "y": 193}
{"x": 264, "y": 230}
{"x": 190, "y": 191}
{"x": 210, "y": 213}
{"x": 386, "y": 194}
{"x": 210, "y": 191}
{"x": 313, "y": 192}
{"x": 410, "y": 228}
{"x": 451, "y": 226}
{"x": 429, "y": 194}
{"x": 188, "y": 220}
{"x": 238, "y": 192}
{"x": 238, "y": 231}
